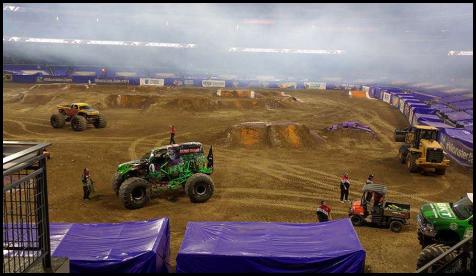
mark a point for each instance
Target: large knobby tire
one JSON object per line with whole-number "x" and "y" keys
{"x": 57, "y": 120}
{"x": 79, "y": 123}
{"x": 411, "y": 163}
{"x": 357, "y": 220}
{"x": 396, "y": 226}
{"x": 116, "y": 182}
{"x": 441, "y": 171}
{"x": 431, "y": 252}
{"x": 199, "y": 187}
{"x": 135, "y": 193}
{"x": 100, "y": 122}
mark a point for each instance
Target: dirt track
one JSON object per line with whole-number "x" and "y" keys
{"x": 252, "y": 184}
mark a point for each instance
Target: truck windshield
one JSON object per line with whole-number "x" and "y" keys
{"x": 428, "y": 134}
{"x": 463, "y": 208}
{"x": 85, "y": 107}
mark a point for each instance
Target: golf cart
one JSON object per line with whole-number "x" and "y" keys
{"x": 373, "y": 209}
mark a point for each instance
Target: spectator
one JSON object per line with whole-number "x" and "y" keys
{"x": 46, "y": 153}
{"x": 344, "y": 188}
{"x": 323, "y": 212}
{"x": 370, "y": 179}
{"x": 86, "y": 180}
{"x": 172, "y": 135}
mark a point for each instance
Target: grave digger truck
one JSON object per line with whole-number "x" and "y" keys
{"x": 172, "y": 167}
{"x": 421, "y": 150}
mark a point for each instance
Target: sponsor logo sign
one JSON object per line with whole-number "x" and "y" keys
{"x": 57, "y": 79}
{"x": 213, "y": 83}
{"x": 315, "y": 85}
{"x": 151, "y": 82}
{"x": 458, "y": 151}
{"x": 111, "y": 81}
{"x": 288, "y": 85}
{"x": 386, "y": 97}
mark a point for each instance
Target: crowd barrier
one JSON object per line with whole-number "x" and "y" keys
{"x": 451, "y": 114}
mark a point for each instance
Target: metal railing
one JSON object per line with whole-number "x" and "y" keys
{"x": 462, "y": 262}
{"x": 26, "y": 236}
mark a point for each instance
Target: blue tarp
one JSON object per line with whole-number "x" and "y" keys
{"x": 141, "y": 246}
{"x": 210, "y": 247}
{"x": 459, "y": 116}
{"x": 418, "y": 117}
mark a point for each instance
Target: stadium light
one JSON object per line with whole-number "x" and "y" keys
{"x": 286, "y": 51}
{"x": 97, "y": 42}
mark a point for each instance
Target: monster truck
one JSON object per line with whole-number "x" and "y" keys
{"x": 79, "y": 114}
{"x": 442, "y": 225}
{"x": 172, "y": 167}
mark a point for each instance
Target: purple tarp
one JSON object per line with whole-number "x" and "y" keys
{"x": 459, "y": 116}
{"x": 418, "y": 117}
{"x": 141, "y": 246}
{"x": 456, "y": 98}
{"x": 350, "y": 124}
{"x": 462, "y": 105}
{"x": 325, "y": 247}
{"x": 435, "y": 124}
{"x": 458, "y": 144}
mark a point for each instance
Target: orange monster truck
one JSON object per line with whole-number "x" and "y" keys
{"x": 79, "y": 114}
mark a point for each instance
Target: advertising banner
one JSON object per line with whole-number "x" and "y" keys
{"x": 458, "y": 144}
{"x": 111, "y": 81}
{"x": 188, "y": 82}
{"x": 386, "y": 97}
{"x": 289, "y": 84}
{"x": 151, "y": 82}
{"x": 315, "y": 85}
{"x": 57, "y": 79}
{"x": 213, "y": 83}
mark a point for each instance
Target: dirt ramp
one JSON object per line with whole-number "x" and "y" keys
{"x": 130, "y": 101}
{"x": 36, "y": 99}
{"x": 273, "y": 134}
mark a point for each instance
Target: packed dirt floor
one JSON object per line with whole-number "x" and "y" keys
{"x": 262, "y": 182}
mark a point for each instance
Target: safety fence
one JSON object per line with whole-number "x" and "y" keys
{"x": 26, "y": 238}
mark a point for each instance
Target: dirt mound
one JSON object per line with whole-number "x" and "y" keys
{"x": 350, "y": 136}
{"x": 36, "y": 99}
{"x": 193, "y": 104}
{"x": 13, "y": 98}
{"x": 130, "y": 101}
{"x": 273, "y": 134}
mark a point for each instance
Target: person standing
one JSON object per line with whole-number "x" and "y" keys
{"x": 172, "y": 135}
{"x": 344, "y": 188}
{"x": 86, "y": 180}
{"x": 323, "y": 212}
{"x": 370, "y": 179}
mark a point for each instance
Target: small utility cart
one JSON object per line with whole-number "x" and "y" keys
{"x": 373, "y": 209}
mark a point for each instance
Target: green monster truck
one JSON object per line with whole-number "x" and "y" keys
{"x": 171, "y": 167}
{"x": 442, "y": 225}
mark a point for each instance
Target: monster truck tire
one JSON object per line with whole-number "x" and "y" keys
{"x": 411, "y": 163}
{"x": 57, "y": 120}
{"x": 79, "y": 123}
{"x": 431, "y": 252}
{"x": 135, "y": 193}
{"x": 116, "y": 183}
{"x": 396, "y": 226}
{"x": 199, "y": 187}
{"x": 100, "y": 122}
{"x": 356, "y": 220}
{"x": 440, "y": 171}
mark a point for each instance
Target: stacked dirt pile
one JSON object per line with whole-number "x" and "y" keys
{"x": 273, "y": 134}
{"x": 130, "y": 101}
{"x": 350, "y": 136}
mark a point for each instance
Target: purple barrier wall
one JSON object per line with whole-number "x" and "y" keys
{"x": 458, "y": 144}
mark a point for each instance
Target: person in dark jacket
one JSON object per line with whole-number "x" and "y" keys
{"x": 86, "y": 180}
{"x": 172, "y": 134}
{"x": 344, "y": 187}
{"x": 323, "y": 212}
{"x": 370, "y": 179}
